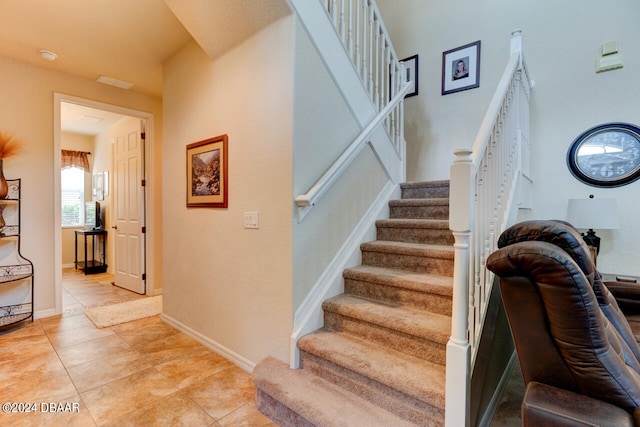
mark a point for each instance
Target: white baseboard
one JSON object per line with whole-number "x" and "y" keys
{"x": 242, "y": 362}
{"x": 41, "y": 314}
{"x": 73, "y": 264}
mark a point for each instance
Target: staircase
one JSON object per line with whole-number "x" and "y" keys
{"x": 379, "y": 360}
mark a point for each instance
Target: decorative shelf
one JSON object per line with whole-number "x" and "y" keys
{"x": 10, "y": 231}
{"x": 14, "y": 268}
{"x": 11, "y": 319}
{"x": 14, "y": 277}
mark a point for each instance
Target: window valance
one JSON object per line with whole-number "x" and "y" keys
{"x": 78, "y": 159}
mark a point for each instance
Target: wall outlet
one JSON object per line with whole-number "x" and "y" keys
{"x": 251, "y": 220}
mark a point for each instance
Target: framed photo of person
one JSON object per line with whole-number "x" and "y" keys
{"x": 461, "y": 68}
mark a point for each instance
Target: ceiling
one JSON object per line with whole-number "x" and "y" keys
{"x": 76, "y": 118}
{"x": 127, "y": 40}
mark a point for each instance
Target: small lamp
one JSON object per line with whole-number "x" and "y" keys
{"x": 593, "y": 213}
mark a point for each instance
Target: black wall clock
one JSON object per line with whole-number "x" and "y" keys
{"x": 607, "y": 155}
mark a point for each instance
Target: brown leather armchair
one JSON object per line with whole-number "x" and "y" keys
{"x": 616, "y": 299}
{"x": 579, "y": 359}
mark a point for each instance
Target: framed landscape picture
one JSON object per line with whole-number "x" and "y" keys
{"x": 207, "y": 181}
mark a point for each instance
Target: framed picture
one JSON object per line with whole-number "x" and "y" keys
{"x": 207, "y": 181}
{"x": 106, "y": 182}
{"x": 98, "y": 186}
{"x": 411, "y": 64}
{"x": 461, "y": 68}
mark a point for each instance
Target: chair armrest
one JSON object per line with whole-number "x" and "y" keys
{"x": 627, "y": 295}
{"x": 544, "y": 405}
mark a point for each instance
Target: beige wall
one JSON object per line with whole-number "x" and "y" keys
{"x": 228, "y": 284}
{"x": 562, "y": 41}
{"x": 26, "y": 111}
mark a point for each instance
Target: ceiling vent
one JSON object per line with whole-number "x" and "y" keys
{"x": 114, "y": 82}
{"x": 90, "y": 119}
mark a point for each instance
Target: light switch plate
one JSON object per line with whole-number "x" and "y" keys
{"x": 251, "y": 220}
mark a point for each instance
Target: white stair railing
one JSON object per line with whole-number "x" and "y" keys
{"x": 365, "y": 38}
{"x": 359, "y": 27}
{"x": 484, "y": 184}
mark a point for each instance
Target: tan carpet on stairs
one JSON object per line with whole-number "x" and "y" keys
{"x": 379, "y": 359}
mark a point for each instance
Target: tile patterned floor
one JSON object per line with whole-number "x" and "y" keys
{"x": 508, "y": 411}
{"x": 140, "y": 373}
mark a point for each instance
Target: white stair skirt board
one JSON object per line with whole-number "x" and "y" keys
{"x": 115, "y": 314}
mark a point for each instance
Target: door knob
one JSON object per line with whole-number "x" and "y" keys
{"x": 115, "y": 227}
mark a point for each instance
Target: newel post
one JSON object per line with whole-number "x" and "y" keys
{"x": 515, "y": 46}
{"x": 461, "y": 214}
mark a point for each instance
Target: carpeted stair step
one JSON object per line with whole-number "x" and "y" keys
{"x": 410, "y": 330}
{"x": 424, "y": 190}
{"x": 416, "y": 257}
{"x": 407, "y": 386}
{"x": 298, "y": 398}
{"x": 427, "y": 291}
{"x": 432, "y": 208}
{"x": 433, "y": 231}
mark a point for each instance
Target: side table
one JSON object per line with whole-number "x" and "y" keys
{"x": 91, "y": 266}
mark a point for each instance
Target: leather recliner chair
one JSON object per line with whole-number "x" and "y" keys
{"x": 618, "y": 300}
{"x": 580, "y": 367}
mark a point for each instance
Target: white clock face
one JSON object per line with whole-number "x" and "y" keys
{"x": 607, "y": 155}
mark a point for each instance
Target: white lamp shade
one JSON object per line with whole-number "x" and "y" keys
{"x": 593, "y": 213}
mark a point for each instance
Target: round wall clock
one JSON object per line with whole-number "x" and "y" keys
{"x": 607, "y": 155}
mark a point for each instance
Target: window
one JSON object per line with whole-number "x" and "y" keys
{"x": 72, "y": 192}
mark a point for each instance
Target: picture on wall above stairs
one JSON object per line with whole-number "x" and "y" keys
{"x": 380, "y": 357}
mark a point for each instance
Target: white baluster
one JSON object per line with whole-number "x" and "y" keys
{"x": 334, "y": 13}
{"x": 358, "y": 38}
{"x": 372, "y": 48}
{"x": 350, "y": 41}
{"x": 342, "y": 30}
{"x": 377, "y": 65}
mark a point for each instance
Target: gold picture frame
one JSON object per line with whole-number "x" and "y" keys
{"x": 207, "y": 173}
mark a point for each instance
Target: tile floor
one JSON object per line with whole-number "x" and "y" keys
{"x": 141, "y": 373}
{"x": 508, "y": 411}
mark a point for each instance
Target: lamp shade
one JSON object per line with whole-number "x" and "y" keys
{"x": 593, "y": 213}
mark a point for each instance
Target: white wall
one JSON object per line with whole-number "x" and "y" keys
{"x": 26, "y": 111}
{"x": 562, "y": 41}
{"x": 323, "y": 128}
{"x": 229, "y": 284}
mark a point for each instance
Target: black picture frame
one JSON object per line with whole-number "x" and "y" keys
{"x": 455, "y": 80}
{"x": 411, "y": 66}
{"x": 607, "y": 155}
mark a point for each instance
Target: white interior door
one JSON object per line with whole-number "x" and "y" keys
{"x": 129, "y": 206}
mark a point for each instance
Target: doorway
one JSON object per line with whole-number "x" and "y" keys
{"x": 113, "y": 113}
